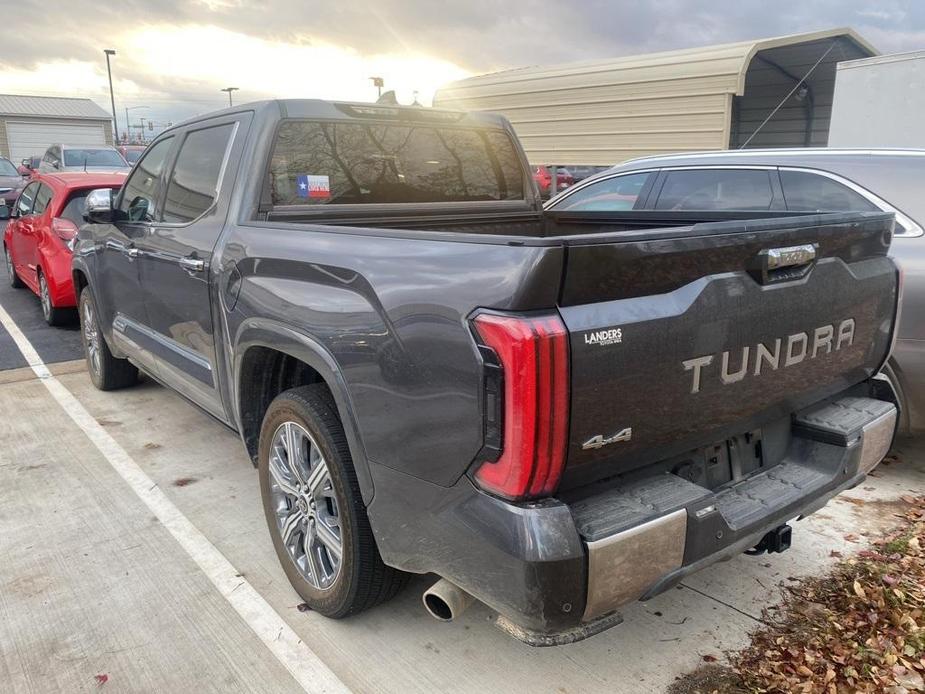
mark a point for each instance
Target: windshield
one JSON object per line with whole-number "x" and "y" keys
{"x": 133, "y": 155}
{"x": 7, "y": 168}
{"x": 93, "y": 157}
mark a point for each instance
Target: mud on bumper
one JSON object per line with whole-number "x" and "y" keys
{"x": 645, "y": 537}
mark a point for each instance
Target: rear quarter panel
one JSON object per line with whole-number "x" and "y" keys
{"x": 392, "y": 313}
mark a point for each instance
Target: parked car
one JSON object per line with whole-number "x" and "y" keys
{"x": 131, "y": 153}
{"x": 10, "y": 182}
{"x": 96, "y": 159}
{"x": 580, "y": 173}
{"x": 29, "y": 165}
{"x": 432, "y": 375}
{"x": 39, "y": 238}
{"x": 794, "y": 180}
{"x": 543, "y": 178}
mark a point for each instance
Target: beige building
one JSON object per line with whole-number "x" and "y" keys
{"x": 606, "y": 111}
{"x": 30, "y": 124}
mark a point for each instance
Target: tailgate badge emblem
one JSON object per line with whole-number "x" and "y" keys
{"x": 610, "y": 336}
{"x": 600, "y": 441}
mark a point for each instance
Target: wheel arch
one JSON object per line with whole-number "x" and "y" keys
{"x": 270, "y": 357}
{"x": 79, "y": 277}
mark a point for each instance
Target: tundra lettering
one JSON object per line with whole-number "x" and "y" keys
{"x": 795, "y": 352}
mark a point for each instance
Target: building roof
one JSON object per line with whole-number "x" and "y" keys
{"x": 725, "y": 63}
{"x": 606, "y": 110}
{"x": 51, "y": 107}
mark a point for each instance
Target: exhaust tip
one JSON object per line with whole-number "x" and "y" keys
{"x": 446, "y": 601}
{"x": 437, "y": 607}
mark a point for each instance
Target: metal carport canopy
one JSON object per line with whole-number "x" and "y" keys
{"x": 606, "y": 111}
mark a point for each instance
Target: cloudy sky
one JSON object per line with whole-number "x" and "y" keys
{"x": 173, "y": 56}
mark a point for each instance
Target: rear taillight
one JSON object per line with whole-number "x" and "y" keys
{"x": 65, "y": 230}
{"x": 532, "y": 356}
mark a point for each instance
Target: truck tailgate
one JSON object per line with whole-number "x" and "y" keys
{"x": 684, "y": 337}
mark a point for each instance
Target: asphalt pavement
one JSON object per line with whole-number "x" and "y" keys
{"x": 53, "y": 344}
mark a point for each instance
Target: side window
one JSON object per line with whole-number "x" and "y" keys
{"x": 615, "y": 194}
{"x": 194, "y": 181}
{"x": 809, "y": 192}
{"x": 42, "y": 198}
{"x": 716, "y": 189}
{"x": 140, "y": 192}
{"x": 26, "y": 198}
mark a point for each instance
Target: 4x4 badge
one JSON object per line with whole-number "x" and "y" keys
{"x": 600, "y": 441}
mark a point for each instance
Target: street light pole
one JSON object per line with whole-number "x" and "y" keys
{"x": 128, "y": 127}
{"x": 112, "y": 97}
{"x": 229, "y": 90}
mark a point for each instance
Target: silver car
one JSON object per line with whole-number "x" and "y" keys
{"x": 98, "y": 159}
{"x": 792, "y": 180}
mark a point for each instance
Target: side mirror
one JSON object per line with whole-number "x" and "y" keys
{"x": 4, "y": 212}
{"x": 98, "y": 208}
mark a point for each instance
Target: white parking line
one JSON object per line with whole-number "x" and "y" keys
{"x": 294, "y": 654}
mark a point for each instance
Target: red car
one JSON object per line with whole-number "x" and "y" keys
{"x": 29, "y": 166}
{"x": 131, "y": 153}
{"x": 543, "y": 178}
{"x": 40, "y": 236}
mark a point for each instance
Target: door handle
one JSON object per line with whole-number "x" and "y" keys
{"x": 131, "y": 252}
{"x": 191, "y": 264}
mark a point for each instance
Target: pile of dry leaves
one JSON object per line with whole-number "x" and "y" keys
{"x": 859, "y": 629}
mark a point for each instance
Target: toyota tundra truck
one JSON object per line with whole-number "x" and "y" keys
{"x": 554, "y": 413}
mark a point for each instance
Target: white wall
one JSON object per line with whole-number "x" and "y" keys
{"x": 880, "y": 102}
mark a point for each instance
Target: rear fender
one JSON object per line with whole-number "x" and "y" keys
{"x": 261, "y": 332}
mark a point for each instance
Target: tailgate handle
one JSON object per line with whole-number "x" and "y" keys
{"x": 783, "y": 264}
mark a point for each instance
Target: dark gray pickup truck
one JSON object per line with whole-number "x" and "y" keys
{"x": 556, "y": 413}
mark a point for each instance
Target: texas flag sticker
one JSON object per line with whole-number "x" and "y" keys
{"x": 313, "y": 186}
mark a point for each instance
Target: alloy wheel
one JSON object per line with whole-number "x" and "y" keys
{"x": 91, "y": 336}
{"x": 305, "y": 506}
{"x": 44, "y": 296}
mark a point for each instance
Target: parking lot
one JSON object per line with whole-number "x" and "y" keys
{"x": 136, "y": 557}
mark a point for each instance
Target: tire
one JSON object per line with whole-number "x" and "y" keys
{"x": 15, "y": 282}
{"x": 360, "y": 580}
{"x": 106, "y": 371}
{"x": 53, "y": 316}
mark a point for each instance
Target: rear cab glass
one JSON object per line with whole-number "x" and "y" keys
{"x": 317, "y": 163}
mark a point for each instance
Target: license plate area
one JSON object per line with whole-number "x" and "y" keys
{"x": 724, "y": 462}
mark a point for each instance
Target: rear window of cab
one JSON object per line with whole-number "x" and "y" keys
{"x": 343, "y": 163}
